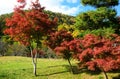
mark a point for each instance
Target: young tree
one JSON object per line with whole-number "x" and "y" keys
{"x": 100, "y": 53}
{"x": 28, "y": 26}
{"x": 58, "y": 41}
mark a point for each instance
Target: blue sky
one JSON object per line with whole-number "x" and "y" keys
{"x": 70, "y": 7}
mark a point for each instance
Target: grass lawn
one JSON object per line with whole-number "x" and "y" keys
{"x": 12, "y": 67}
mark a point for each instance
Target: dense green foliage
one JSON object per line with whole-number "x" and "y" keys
{"x": 2, "y": 22}
{"x": 105, "y": 32}
{"x": 102, "y": 17}
{"x": 118, "y": 28}
{"x": 100, "y": 3}
{"x": 62, "y": 18}
{"x": 96, "y": 21}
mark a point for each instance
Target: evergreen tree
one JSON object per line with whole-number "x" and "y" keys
{"x": 103, "y": 17}
{"x": 100, "y": 3}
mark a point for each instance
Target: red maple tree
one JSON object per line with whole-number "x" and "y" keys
{"x": 59, "y": 42}
{"x": 100, "y": 53}
{"x": 29, "y": 26}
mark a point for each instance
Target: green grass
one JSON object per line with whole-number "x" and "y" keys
{"x": 21, "y": 68}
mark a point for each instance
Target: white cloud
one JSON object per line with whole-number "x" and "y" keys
{"x": 57, "y": 6}
{"x": 6, "y": 6}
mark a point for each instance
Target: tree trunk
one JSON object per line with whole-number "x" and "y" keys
{"x": 106, "y": 77}
{"x": 34, "y": 71}
{"x": 70, "y": 65}
{"x": 34, "y": 61}
{"x": 34, "y": 58}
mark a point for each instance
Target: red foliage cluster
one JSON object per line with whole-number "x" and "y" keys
{"x": 100, "y": 52}
{"x": 26, "y": 25}
{"x": 93, "y": 52}
{"x": 55, "y": 39}
{"x": 89, "y": 40}
{"x": 58, "y": 41}
{"x": 21, "y": 1}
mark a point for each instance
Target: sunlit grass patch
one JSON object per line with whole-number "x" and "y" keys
{"x": 21, "y": 68}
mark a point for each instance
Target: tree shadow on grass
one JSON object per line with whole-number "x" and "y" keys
{"x": 76, "y": 70}
{"x": 59, "y": 72}
{"x": 116, "y": 71}
{"x": 56, "y": 66}
{"x": 53, "y": 73}
{"x": 26, "y": 70}
{"x": 117, "y": 77}
{"x": 2, "y": 76}
{"x": 96, "y": 72}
